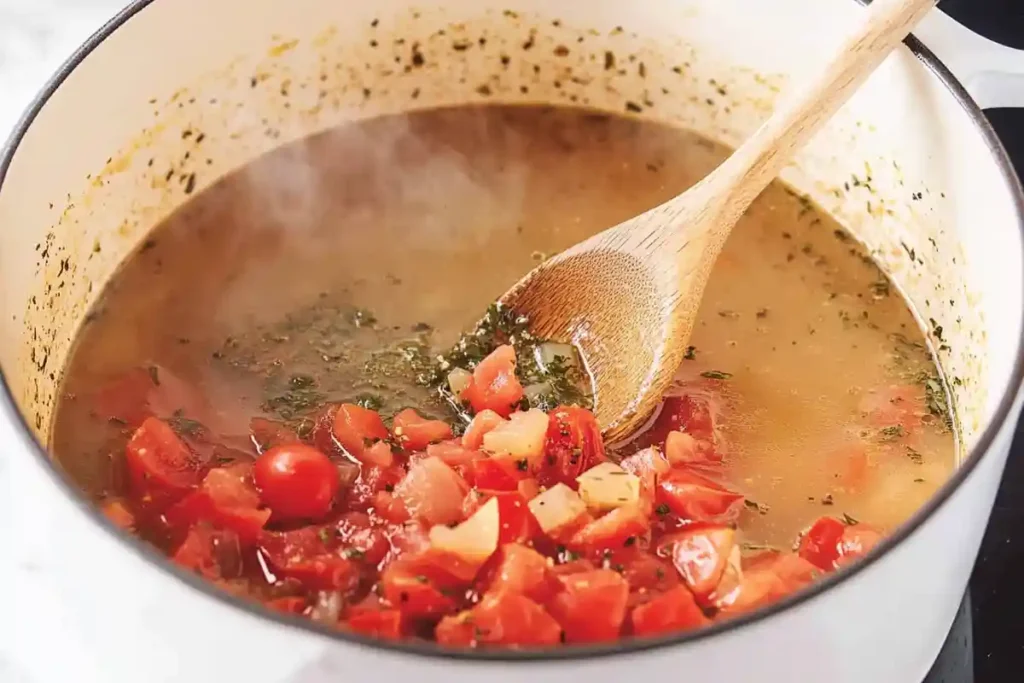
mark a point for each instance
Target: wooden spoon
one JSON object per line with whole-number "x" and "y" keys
{"x": 628, "y": 297}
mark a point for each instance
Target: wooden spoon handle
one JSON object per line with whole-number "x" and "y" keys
{"x": 800, "y": 114}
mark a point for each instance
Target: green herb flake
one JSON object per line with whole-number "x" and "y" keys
{"x": 849, "y": 521}
{"x": 716, "y": 374}
{"x": 662, "y": 509}
{"x": 759, "y": 508}
{"x": 691, "y": 353}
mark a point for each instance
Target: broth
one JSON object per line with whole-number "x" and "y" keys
{"x": 334, "y": 269}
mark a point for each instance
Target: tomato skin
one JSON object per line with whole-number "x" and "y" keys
{"x": 670, "y": 612}
{"x": 820, "y": 544}
{"x": 591, "y": 606}
{"x": 757, "y": 588}
{"x": 692, "y": 413}
{"x": 495, "y": 474}
{"x": 269, "y": 433}
{"x": 506, "y": 619}
{"x": 287, "y": 605}
{"x": 700, "y": 556}
{"x": 309, "y": 555}
{"x": 416, "y": 595}
{"x": 433, "y": 491}
{"x": 857, "y": 541}
{"x": 224, "y": 500}
{"x": 376, "y": 623}
{"x": 698, "y": 499}
{"x": 212, "y": 554}
{"x": 356, "y": 429}
{"x": 620, "y": 528}
{"x": 648, "y": 576}
{"x": 296, "y": 482}
{"x": 415, "y": 433}
{"x": 494, "y": 385}
{"x": 161, "y": 467}
{"x": 356, "y": 531}
{"x": 523, "y": 571}
{"x": 453, "y": 454}
{"x": 482, "y": 423}
{"x": 573, "y": 445}
{"x": 649, "y": 465}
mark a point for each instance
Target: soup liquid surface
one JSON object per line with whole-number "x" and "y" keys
{"x": 315, "y": 273}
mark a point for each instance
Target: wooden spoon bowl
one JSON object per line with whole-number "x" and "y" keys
{"x": 628, "y": 297}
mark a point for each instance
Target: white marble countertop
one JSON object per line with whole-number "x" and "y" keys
{"x": 36, "y": 36}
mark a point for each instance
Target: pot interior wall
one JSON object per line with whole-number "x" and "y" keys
{"x": 131, "y": 134}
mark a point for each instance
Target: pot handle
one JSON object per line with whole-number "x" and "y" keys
{"x": 992, "y": 73}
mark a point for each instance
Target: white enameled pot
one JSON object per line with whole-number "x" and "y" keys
{"x": 89, "y": 164}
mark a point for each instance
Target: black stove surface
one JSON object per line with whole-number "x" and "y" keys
{"x": 986, "y": 643}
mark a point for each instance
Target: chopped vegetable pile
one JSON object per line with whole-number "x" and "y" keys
{"x": 524, "y": 531}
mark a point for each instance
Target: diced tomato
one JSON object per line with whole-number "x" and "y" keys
{"x": 757, "y": 588}
{"x": 496, "y": 474}
{"x": 291, "y": 605}
{"x": 433, "y": 491}
{"x": 528, "y": 489}
{"x": 857, "y": 541}
{"x": 577, "y": 566}
{"x": 415, "y": 593}
{"x": 322, "y": 434}
{"x": 372, "y": 480}
{"x": 377, "y": 623}
{"x": 692, "y": 413}
{"x": 269, "y": 433}
{"x": 503, "y": 619}
{"x": 820, "y": 544}
{"x": 357, "y": 533}
{"x": 794, "y": 571}
{"x": 225, "y": 500}
{"x": 620, "y": 528}
{"x": 517, "y": 522}
{"x": 356, "y": 429}
{"x": 162, "y": 468}
{"x": 309, "y": 555}
{"x": 572, "y": 447}
{"x": 483, "y": 422}
{"x": 415, "y": 433}
{"x": 698, "y": 499}
{"x": 519, "y": 569}
{"x": 649, "y": 465}
{"x": 296, "y": 481}
{"x": 119, "y": 514}
{"x": 591, "y": 606}
{"x": 453, "y": 454}
{"x": 213, "y": 554}
{"x": 648, "y": 576}
{"x": 494, "y": 385}
{"x": 670, "y": 612}
{"x": 700, "y": 555}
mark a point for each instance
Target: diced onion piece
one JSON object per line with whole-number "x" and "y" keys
{"x": 608, "y": 486}
{"x": 474, "y": 540}
{"x": 556, "y": 507}
{"x": 521, "y": 437}
{"x": 548, "y": 352}
{"x": 458, "y": 380}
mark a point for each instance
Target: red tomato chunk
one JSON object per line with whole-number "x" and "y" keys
{"x": 473, "y": 540}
